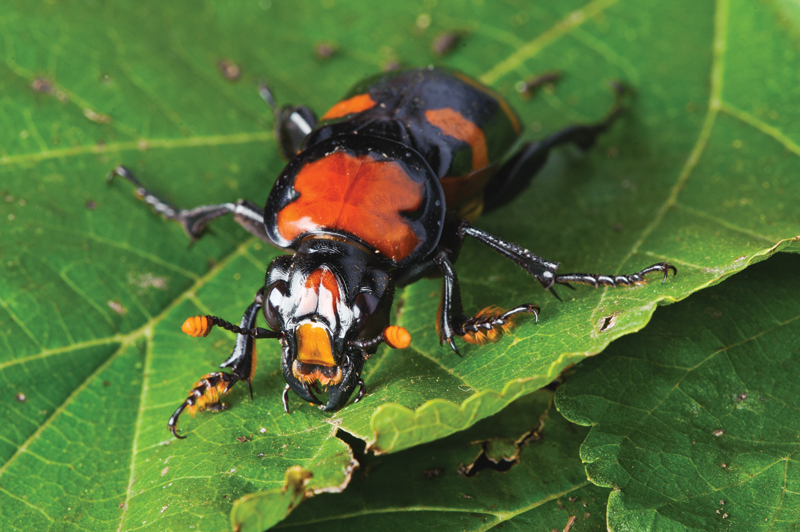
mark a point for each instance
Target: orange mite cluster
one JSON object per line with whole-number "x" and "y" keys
{"x": 485, "y": 336}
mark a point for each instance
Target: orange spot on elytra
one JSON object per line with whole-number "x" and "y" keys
{"x": 197, "y": 326}
{"x": 356, "y": 104}
{"x": 453, "y": 123}
{"x": 397, "y": 337}
{"x": 359, "y": 195}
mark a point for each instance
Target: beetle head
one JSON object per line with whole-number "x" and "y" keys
{"x": 327, "y": 300}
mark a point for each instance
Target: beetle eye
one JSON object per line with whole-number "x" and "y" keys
{"x": 367, "y": 315}
{"x": 275, "y": 295}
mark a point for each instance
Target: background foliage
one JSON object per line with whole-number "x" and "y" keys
{"x": 701, "y": 171}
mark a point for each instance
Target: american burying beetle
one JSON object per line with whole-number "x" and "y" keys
{"x": 378, "y": 193}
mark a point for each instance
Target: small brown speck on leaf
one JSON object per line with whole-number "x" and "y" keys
{"x": 91, "y": 205}
{"x": 242, "y": 439}
{"x": 45, "y": 86}
{"x": 718, "y": 432}
{"x": 444, "y": 43}
{"x": 42, "y": 85}
{"x": 573, "y": 499}
{"x": 325, "y": 50}
{"x": 117, "y": 307}
{"x": 106, "y": 383}
{"x": 94, "y": 116}
{"x": 433, "y": 472}
{"x": 741, "y": 396}
{"x": 229, "y": 70}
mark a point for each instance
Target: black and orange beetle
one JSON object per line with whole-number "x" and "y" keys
{"x": 378, "y": 193}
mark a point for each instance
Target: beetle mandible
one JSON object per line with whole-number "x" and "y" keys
{"x": 378, "y": 193}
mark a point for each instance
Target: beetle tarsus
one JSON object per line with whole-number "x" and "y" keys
{"x": 173, "y": 420}
{"x": 452, "y": 345}
{"x": 194, "y": 221}
{"x": 596, "y": 280}
{"x": 362, "y": 391}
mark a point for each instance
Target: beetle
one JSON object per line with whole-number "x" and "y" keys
{"x": 378, "y": 193}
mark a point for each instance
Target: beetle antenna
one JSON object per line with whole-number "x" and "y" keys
{"x": 201, "y": 326}
{"x": 395, "y": 337}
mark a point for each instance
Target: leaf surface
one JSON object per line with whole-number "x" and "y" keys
{"x": 694, "y": 420}
{"x": 425, "y": 488}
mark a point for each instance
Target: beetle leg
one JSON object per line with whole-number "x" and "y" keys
{"x": 362, "y": 390}
{"x": 451, "y": 313}
{"x": 194, "y": 221}
{"x": 293, "y": 123}
{"x": 285, "y": 398}
{"x": 545, "y": 271}
{"x": 516, "y": 173}
{"x": 487, "y": 326}
{"x": 205, "y": 395}
{"x": 208, "y": 391}
{"x": 593, "y": 279}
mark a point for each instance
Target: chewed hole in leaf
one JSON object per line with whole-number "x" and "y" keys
{"x": 607, "y": 322}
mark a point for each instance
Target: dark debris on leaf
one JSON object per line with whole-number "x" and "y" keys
{"x": 433, "y": 472}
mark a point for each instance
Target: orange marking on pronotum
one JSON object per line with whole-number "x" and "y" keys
{"x": 323, "y": 277}
{"x": 359, "y": 195}
{"x": 197, "y": 326}
{"x": 453, "y": 123}
{"x": 356, "y": 104}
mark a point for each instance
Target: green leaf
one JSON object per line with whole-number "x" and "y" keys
{"x": 93, "y": 287}
{"x": 694, "y": 420}
{"x": 425, "y": 488}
